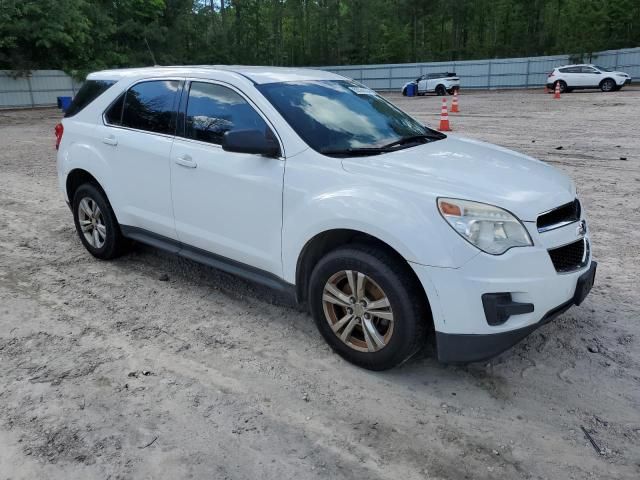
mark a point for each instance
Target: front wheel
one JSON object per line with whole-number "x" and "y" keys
{"x": 441, "y": 91}
{"x": 608, "y": 85}
{"x": 368, "y": 307}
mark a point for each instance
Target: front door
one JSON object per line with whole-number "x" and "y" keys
{"x": 226, "y": 203}
{"x": 591, "y": 77}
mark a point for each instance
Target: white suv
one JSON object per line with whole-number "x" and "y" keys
{"x": 573, "y": 77}
{"x": 440, "y": 83}
{"x": 314, "y": 185}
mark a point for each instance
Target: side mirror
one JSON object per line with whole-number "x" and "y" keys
{"x": 251, "y": 141}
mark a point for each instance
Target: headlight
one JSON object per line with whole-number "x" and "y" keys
{"x": 491, "y": 229}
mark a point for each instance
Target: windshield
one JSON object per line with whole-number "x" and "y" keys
{"x": 334, "y": 115}
{"x": 604, "y": 69}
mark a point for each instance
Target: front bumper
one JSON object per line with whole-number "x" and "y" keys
{"x": 524, "y": 284}
{"x": 464, "y": 348}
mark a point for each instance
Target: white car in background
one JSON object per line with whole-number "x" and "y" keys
{"x": 439, "y": 83}
{"x": 311, "y": 184}
{"x": 573, "y": 77}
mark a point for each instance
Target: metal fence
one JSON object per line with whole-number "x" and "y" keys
{"x": 528, "y": 72}
{"x": 42, "y": 87}
{"x": 37, "y": 88}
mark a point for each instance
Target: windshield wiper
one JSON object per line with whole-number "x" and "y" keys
{"x": 390, "y": 147}
{"x": 363, "y": 151}
{"x": 414, "y": 139}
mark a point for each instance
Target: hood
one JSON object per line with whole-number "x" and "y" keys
{"x": 472, "y": 170}
{"x": 624, "y": 74}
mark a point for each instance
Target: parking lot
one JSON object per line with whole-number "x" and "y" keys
{"x": 155, "y": 367}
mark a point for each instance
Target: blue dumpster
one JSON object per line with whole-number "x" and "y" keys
{"x": 63, "y": 103}
{"x": 411, "y": 90}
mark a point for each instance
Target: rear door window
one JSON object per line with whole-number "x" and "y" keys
{"x": 151, "y": 106}
{"x": 90, "y": 90}
{"x": 213, "y": 110}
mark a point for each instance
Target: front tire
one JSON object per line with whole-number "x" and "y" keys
{"x": 368, "y": 307}
{"x": 441, "y": 91}
{"x": 608, "y": 85}
{"x": 96, "y": 223}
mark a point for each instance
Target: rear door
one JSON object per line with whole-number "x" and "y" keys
{"x": 136, "y": 139}
{"x": 572, "y": 76}
{"x": 422, "y": 84}
{"x": 431, "y": 83}
{"x": 226, "y": 203}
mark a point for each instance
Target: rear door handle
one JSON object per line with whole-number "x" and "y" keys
{"x": 186, "y": 161}
{"x": 110, "y": 140}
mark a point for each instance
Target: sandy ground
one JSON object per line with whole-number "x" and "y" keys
{"x": 108, "y": 372}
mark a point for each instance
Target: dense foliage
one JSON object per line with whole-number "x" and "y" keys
{"x": 81, "y": 35}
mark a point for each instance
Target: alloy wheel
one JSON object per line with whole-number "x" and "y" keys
{"x": 607, "y": 86}
{"x": 358, "y": 311}
{"x": 92, "y": 222}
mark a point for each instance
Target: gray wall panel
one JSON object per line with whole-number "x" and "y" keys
{"x": 42, "y": 87}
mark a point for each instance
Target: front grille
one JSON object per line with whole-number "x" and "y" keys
{"x": 560, "y": 216}
{"x": 570, "y": 257}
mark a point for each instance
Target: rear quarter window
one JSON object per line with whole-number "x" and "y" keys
{"x": 90, "y": 90}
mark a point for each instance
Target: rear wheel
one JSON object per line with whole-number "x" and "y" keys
{"x": 96, "y": 223}
{"x": 607, "y": 85}
{"x": 367, "y": 307}
{"x": 563, "y": 86}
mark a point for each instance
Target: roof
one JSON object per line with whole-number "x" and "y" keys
{"x": 577, "y": 65}
{"x": 256, "y": 74}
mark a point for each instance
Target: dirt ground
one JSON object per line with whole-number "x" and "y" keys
{"x": 108, "y": 372}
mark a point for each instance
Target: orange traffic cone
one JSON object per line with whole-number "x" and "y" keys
{"x": 454, "y": 102}
{"x": 556, "y": 95}
{"x": 444, "y": 117}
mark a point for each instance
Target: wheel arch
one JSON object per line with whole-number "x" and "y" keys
{"x": 329, "y": 240}
{"x": 76, "y": 178}
{"x": 79, "y": 176}
{"x": 605, "y": 79}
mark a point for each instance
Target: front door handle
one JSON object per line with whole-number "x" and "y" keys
{"x": 186, "y": 161}
{"x": 110, "y": 140}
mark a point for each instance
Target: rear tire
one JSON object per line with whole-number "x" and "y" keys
{"x": 378, "y": 324}
{"x": 608, "y": 85}
{"x": 563, "y": 86}
{"x": 96, "y": 223}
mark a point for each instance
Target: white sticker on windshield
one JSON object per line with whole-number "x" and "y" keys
{"x": 362, "y": 91}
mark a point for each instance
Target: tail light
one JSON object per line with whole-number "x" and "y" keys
{"x": 59, "y": 130}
